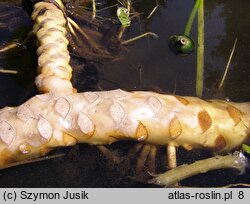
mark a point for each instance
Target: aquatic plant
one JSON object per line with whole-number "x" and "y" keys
{"x": 184, "y": 44}
{"x": 62, "y": 117}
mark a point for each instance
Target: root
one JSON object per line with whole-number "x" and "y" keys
{"x": 151, "y": 159}
{"x": 94, "y": 9}
{"x": 108, "y": 7}
{"x": 88, "y": 45}
{"x": 31, "y": 161}
{"x": 74, "y": 24}
{"x": 142, "y": 160}
{"x": 171, "y": 156}
{"x": 8, "y": 47}
{"x": 70, "y": 26}
{"x": 139, "y": 37}
{"x": 8, "y": 71}
{"x": 108, "y": 154}
{"x": 227, "y": 66}
{"x": 153, "y": 11}
{"x": 16, "y": 43}
{"x": 88, "y": 39}
{"x": 121, "y": 32}
{"x": 171, "y": 159}
{"x": 135, "y": 150}
{"x": 236, "y": 161}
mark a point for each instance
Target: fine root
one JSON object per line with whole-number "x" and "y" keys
{"x": 108, "y": 154}
{"x": 31, "y": 161}
{"x": 151, "y": 159}
{"x": 153, "y": 11}
{"x": 142, "y": 160}
{"x": 94, "y": 9}
{"x": 227, "y": 66}
{"x": 139, "y": 37}
{"x": 8, "y": 71}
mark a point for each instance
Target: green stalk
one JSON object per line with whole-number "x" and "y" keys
{"x": 236, "y": 161}
{"x": 200, "y": 50}
{"x": 191, "y": 18}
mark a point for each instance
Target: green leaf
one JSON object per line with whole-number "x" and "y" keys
{"x": 246, "y": 148}
{"x": 123, "y": 16}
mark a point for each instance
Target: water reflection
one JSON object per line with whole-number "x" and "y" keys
{"x": 236, "y": 22}
{"x": 15, "y": 89}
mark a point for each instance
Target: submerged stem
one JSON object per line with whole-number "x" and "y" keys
{"x": 236, "y": 160}
{"x": 191, "y": 18}
{"x": 200, "y": 51}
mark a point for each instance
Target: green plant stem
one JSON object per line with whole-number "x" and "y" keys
{"x": 236, "y": 161}
{"x": 200, "y": 50}
{"x": 191, "y": 18}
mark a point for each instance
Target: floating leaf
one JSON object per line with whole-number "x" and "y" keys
{"x": 246, "y": 148}
{"x": 123, "y": 16}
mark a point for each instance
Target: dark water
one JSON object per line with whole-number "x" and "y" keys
{"x": 147, "y": 64}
